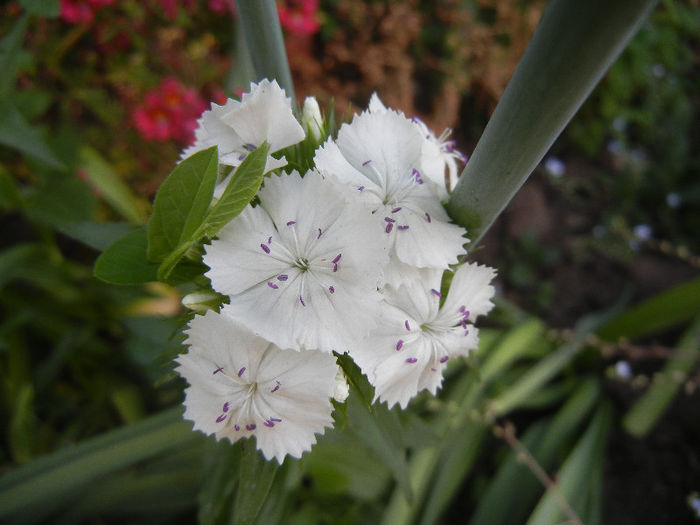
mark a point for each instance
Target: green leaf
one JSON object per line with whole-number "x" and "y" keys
{"x": 255, "y": 480}
{"x": 10, "y": 47}
{"x": 654, "y": 315}
{"x": 10, "y": 197}
{"x": 573, "y": 46}
{"x": 182, "y": 203}
{"x": 41, "y": 486}
{"x": 96, "y": 235}
{"x": 110, "y": 186}
{"x": 125, "y": 261}
{"x": 18, "y": 134}
{"x": 45, "y": 8}
{"x": 221, "y": 464}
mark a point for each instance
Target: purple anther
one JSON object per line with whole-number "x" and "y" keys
{"x": 289, "y": 223}
{"x": 403, "y": 227}
{"x": 335, "y": 267}
{"x": 462, "y": 309}
{"x": 466, "y": 332}
{"x": 331, "y": 289}
{"x": 408, "y": 326}
{"x": 399, "y": 344}
{"x": 389, "y": 227}
{"x": 366, "y": 163}
{"x": 226, "y": 406}
{"x": 427, "y": 217}
{"x": 265, "y": 248}
{"x": 396, "y": 210}
{"x": 434, "y": 369}
{"x": 450, "y": 146}
{"x": 415, "y": 173}
{"x": 241, "y": 156}
{"x": 250, "y": 427}
{"x": 319, "y": 233}
{"x": 240, "y": 372}
{"x": 236, "y": 427}
{"x": 269, "y": 424}
{"x": 411, "y": 360}
{"x": 275, "y": 419}
{"x": 217, "y": 370}
{"x": 277, "y": 387}
{"x": 466, "y": 315}
{"x": 361, "y": 188}
{"x": 282, "y": 277}
{"x": 221, "y": 418}
{"x": 269, "y": 240}
{"x": 435, "y": 292}
{"x": 444, "y": 359}
{"x": 272, "y": 285}
{"x": 301, "y": 300}
{"x": 464, "y": 324}
{"x": 249, "y": 147}
{"x": 337, "y": 257}
{"x": 389, "y": 219}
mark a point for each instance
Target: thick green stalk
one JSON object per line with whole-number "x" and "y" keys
{"x": 263, "y": 36}
{"x": 573, "y": 46}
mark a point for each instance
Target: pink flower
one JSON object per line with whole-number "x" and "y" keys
{"x": 221, "y": 6}
{"x": 81, "y": 11}
{"x": 299, "y": 17}
{"x": 171, "y": 6}
{"x": 169, "y": 112}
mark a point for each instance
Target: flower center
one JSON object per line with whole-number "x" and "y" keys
{"x": 302, "y": 263}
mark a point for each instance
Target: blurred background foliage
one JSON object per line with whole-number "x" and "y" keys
{"x": 587, "y": 375}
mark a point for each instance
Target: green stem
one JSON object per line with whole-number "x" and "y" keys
{"x": 573, "y": 46}
{"x": 263, "y": 35}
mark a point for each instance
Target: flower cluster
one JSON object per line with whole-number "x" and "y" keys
{"x": 81, "y": 11}
{"x": 348, "y": 257}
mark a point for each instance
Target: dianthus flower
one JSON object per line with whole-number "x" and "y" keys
{"x": 81, "y": 11}
{"x": 299, "y": 17}
{"x": 416, "y": 337}
{"x": 243, "y": 386}
{"x": 301, "y": 269}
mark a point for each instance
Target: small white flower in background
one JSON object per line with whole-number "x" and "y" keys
{"x": 302, "y": 268}
{"x": 437, "y": 153}
{"x": 554, "y": 167}
{"x": 409, "y": 350}
{"x": 642, "y": 232}
{"x": 673, "y": 200}
{"x": 311, "y": 118}
{"x": 623, "y": 370}
{"x": 238, "y": 127}
{"x": 378, "y": 157}
{"x": 342, "y": 389}
{"x": 242, "y": 386}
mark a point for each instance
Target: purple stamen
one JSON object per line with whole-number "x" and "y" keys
{"x": 276, "y": 420}
{"x": 289, "y": 223}
{"x": 241, "y": 156}
{"x": 411, "y": 360}
{"x": 337, "y": 257}
{"x": 249, "y": 147}
{"x": 403, "y": 227}
{"x": 221, "y": 418}
{"x": 365, "y": 163}
{"x": 218, "y": 370}
{"x": 269, "y": 424}
{"x": 331, "y": 289}
{"x": 395, "y": 210}
{"x": 236, "y": 427}
{"x": 466, "y": 315}
{"x": 444, "y": 359}
{"x": 226, "y": 406}
{"x": 319, "y": 233}
{"x": 277, "y": 387}
{"x": 265, "y": 248}
{"x": 462, "y": 309}
{"x": 389, "y": 219}
{"x": 434, "y": 369}
{"x": 250, "y": 427}
{"x": 361, "y": 188}
{"x": 466, "y": 332}
{"x": 240, "y": 372}
{"x": 269, "y": 240}
{"x": 335, "y": 267}
{"x": 399, "y": 344}
{"x": 301, "y": 300}
{"x": 408, "y": 326}
{"x": 464, "y": 324}
{"x": 389, "y": 227}
{"x": 427, "y": 217}
{"x": 272, "y": 285}
{"x": 282, "y": 277}
{"x": 435, "y": 292}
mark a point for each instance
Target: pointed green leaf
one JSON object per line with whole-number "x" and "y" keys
{"x": 10, "y": 47}
{"x": 18, "y": 134}
{"x": 255, "y": 480}
{"x": 45, "y": 8}
{"x": 125, "y": 261}
{"x": 181, "y": 203}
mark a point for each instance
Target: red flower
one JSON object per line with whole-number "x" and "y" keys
{"x": 299, "y": 17}
{"x": 169, "y": 112}
{"x": 81, "y": 11}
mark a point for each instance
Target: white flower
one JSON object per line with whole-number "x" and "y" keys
{"x": 378, "y": 156}
{"x": 237, "y": 128}
{"x": 242, "y": 386}
{"x": 342, "y": 389}
{"x": 311, "y": 117}
{"x": 409, "y": 350}
{"x": 437, "y": 153}
{"x": 302, "y": 268}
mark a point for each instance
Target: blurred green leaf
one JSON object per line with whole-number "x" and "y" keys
{"x": 10, "y": 47}
{"x": 654, "y": 315}
{"x": 181, "y": 204}
{"x": 222, "y": 465}
{"x": 96, "y": 235}
{"x": 110, "y": 186}
{"x": 22, "y": 428}
{"x": 125, "y": 262}
{"x": 10, "y": 197}
{"x": 45, "y": 8}
{"x": 14, "y": 260}
{"x": 255, "y": 480}
{"x": 18, "y": 134}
